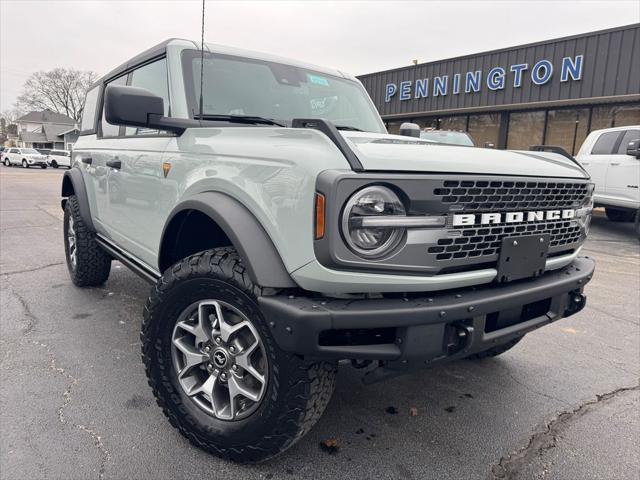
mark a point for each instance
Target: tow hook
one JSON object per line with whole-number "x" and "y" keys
{"x": 577, "y": 301}
{"x": 459, "y": 338}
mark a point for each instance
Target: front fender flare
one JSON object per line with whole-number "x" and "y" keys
{"x": 257, "y": 251}
{"x": 73, "y": 184}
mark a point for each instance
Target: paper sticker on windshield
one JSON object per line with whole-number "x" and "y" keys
{"x": 321, "y": 106}
{"x": 318, "y": 80}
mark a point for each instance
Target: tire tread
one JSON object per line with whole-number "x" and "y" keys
{"x": 309, "y": 388}
{"x": 93, "y": 264}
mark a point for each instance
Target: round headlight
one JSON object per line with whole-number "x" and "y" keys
{"x": 368, "y": 203}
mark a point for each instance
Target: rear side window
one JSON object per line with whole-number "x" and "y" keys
{"x": 629, "y": 136}
{"x": 605, "y": 144}
{"x": 89, "y": 113}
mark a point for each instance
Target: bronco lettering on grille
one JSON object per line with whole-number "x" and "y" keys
{"x": 511, "y": 217}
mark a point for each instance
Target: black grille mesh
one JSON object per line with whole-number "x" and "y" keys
{"x": 486, "y": 240}
{"x": 489, "y": 196}
{"x": 482, "y": 242}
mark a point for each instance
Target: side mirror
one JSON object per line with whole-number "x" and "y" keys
{"x": 131, "y": 106}
{"x": 489, "y": 145}
{"x": 138, "y": 107}
{"x": 633, "y": 148}
{"x": 409, "y": 129}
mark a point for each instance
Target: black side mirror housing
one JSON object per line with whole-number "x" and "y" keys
{"x": 138, "y": 107}
{"x": 131, "y": 106}
{"x": 633, "y": 148}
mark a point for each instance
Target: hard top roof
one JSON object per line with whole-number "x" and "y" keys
{"x": 161, "y": 48}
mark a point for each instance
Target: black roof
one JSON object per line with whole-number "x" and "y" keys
{"x": 148, "y": 54}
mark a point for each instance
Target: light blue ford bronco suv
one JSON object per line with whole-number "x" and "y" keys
{"x": 284, "y": 230}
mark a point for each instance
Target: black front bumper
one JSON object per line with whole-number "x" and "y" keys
{"x": 425, "y": 328}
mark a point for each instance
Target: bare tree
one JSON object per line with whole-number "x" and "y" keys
{"x": 61, "y": 90}
{"x": 8, "y": 121}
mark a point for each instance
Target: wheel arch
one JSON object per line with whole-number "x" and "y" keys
{"x": 228, "y": 223}
{"x": 73, "y": 184}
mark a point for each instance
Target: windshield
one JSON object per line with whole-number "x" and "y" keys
{"x": 30, "y": 151}
{"x": 248, "y": 87}
{"x": 451, "y": 138}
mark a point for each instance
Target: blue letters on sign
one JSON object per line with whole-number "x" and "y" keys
{"x": 542, "y": 72}
{"x": 517, "y": 73}
{"x": 456, "y": 84}
{"x": 405, "y": 90}
{"x": 391, "y": 89}
{"x": 440, "y": 85}
{"x": 472, "y": 82}
{"x": 496, "y": 79}
{"x": 422, "y": 88}
{"x": 573, "y": 68}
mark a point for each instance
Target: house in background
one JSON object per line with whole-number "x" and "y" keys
{"x": 47, "y": 129}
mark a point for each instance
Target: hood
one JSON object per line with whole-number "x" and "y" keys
{"x": 405, "y": 154}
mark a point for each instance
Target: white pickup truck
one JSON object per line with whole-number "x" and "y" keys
{"x": 612, "y": 158}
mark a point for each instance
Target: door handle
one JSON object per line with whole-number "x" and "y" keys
{"x": 114, "y": 164}
{"x": 615, "y": 163}
{"x": 87, "y": 160}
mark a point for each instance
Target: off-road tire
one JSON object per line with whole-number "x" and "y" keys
{"x": 93, "y": 264}
{"x": 297, "y": 392}
{"x": 618, "y": 215}
{"x": 495, "y": 351}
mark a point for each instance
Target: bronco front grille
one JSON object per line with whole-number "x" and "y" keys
{"x": 481, "y": 243}
{"x": 485, "y": 241}
{"x": 487, "y": 196}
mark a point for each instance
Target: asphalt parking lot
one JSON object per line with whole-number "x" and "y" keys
{"x": 75, "y": 403}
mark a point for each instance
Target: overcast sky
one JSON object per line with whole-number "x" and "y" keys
{"x": 358, "y": 37}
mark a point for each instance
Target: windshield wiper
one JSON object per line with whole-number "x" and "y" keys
{"x": 348, "y": 127}
{"x": 239, "y": 119}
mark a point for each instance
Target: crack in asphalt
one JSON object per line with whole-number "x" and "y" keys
{"x": 33, "y": 269}
{"x": 66, "y": 400}
{"x": 510, "y": 465}
{"x": 32, "y": 320}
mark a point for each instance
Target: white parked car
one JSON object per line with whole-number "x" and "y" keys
{"x": 59, "y": 158}
{"x": 612, "y": 158}
{"x": 27, "y": 157}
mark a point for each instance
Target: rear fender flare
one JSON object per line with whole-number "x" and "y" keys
{"x": 73, "y": 184}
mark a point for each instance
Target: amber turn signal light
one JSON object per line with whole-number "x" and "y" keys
{"x": 320, "y": 204}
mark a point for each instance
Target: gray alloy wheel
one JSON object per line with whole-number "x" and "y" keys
{"x": 220, "y": 359}
{"x": 72, "y": 242}
{"x": 24, "y": 163}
